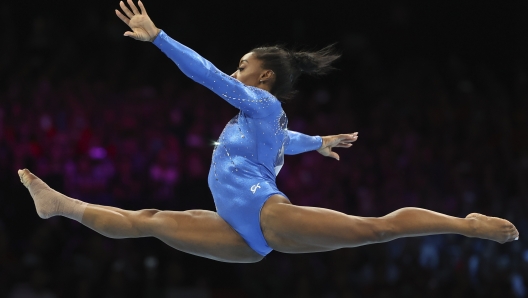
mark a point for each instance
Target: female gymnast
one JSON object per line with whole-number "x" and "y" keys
{"x": 253, "y": 217}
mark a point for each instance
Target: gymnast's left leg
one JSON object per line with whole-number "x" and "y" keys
{"x": 298, "y": 229}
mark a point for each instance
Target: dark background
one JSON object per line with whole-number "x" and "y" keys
{"x": 438, "y": 91}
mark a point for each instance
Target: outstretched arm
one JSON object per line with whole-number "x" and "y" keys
{"x": 253, "y": 101}
{"x": 300, "y": 143}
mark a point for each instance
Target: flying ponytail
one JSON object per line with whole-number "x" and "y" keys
{"x": 288, "y": 66}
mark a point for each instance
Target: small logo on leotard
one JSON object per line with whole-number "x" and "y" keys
{"x": 254, "y": 187}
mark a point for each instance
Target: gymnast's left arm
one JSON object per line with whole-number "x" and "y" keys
{"x": 255, "y": 102}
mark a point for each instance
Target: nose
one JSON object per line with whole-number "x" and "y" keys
{"x": 233, "y": 75}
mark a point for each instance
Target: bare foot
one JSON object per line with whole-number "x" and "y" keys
{"x": 492, "y": 228}
{"x": 26, "y": 177}
{"x": 48, "y": 202}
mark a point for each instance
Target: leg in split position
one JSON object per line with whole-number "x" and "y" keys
{"x": 199, "y": 232}
{"x": 298, "y": 229}
{"x": 286, "y": 227}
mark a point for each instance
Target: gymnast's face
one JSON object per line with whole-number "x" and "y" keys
{"x": 251, "y": 73}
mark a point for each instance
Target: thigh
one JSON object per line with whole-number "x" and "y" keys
{"x": 202, "y": 233}
{"x": 298, "y": 229}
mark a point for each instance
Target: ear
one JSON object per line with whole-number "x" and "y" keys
{"x": 266, "y": 75}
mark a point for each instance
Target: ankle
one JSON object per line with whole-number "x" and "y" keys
{"x": 72, "y": 208}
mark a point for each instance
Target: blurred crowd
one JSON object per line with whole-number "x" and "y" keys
{"x": 448, "y": 135}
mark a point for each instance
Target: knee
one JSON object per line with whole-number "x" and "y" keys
{"x": 381, "y": 229}
{"x": 145, "y": 213}
{"x": 142, "y": 220}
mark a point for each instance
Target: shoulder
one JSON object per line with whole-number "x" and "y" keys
{"x": 265, "y": 101}
{"x": 264, "y": 95}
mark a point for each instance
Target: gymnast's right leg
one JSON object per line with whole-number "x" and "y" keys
{"x": 198, "y": 232}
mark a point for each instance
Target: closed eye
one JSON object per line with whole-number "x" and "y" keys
{"x": 240, "y": 69}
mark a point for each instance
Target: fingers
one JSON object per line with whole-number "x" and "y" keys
{"x": 134, "y": 8}
{"x": 348, "y": 138}
{"x": 333, "y": 155}
{"x": 131, "y": 34}
{"x": 126, "y": 10}
{"x": 143, "y": 10}
{"x": 122, "y": 17}
{"x": 345, "y": 140}
{"x": 344, "y": 145}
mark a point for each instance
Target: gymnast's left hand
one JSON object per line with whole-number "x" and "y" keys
{"x": 143, "y": 28}
{"x": 340, "y": 141}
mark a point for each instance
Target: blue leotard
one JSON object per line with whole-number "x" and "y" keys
{"x": 250, "y": 151}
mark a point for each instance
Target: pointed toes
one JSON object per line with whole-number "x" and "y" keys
{"x": 26, "y": 177}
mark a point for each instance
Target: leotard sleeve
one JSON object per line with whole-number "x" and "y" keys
{"x": 255, "y": 102}
{"x": 300, "y": 143}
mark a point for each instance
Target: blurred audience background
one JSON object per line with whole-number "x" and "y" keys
{"x": 438, "y": 92}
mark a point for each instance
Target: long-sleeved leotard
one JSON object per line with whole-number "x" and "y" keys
{"x": 250, "y": 151}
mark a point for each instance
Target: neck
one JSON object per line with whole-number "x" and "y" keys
{"x": 264, "y": 86}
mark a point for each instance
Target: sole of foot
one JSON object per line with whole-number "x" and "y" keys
{"x": 44, "y": 197}
{"x": 492, "y": 228}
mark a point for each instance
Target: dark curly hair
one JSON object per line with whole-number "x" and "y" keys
{"x": 288, "y": 66}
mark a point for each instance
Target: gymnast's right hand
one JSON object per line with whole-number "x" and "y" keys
{"x": 142, "y": 26}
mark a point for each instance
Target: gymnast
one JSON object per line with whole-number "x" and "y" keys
{"x": 252, "y": 216}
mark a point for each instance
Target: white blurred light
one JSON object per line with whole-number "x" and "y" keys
{"x": 151, "y": 262}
